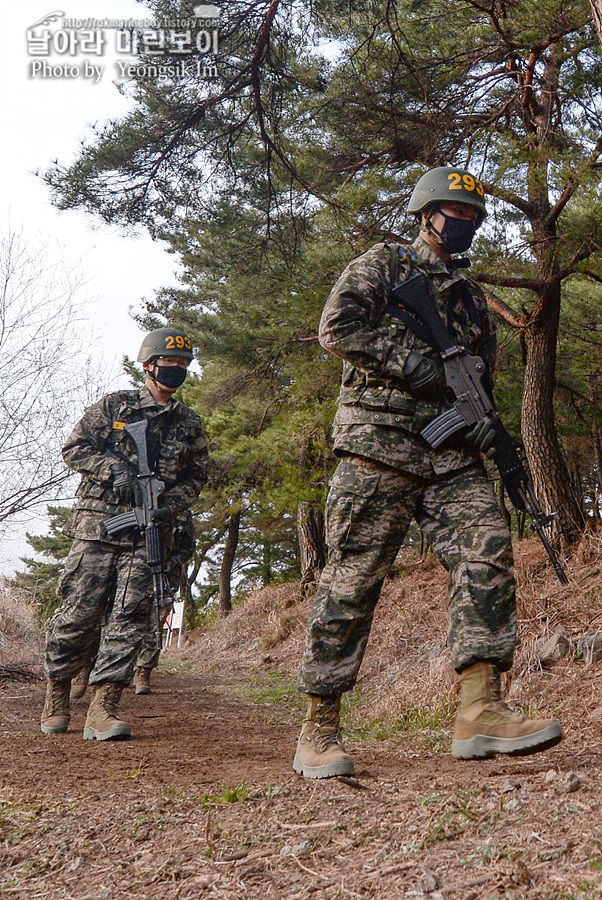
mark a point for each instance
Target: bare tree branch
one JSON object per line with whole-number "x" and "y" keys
{"x": 44, "y": 373}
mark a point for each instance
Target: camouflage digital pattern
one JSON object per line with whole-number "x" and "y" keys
{"x": 389, "y": 474}
{"x": 148, "y": 653}
{"x": 98, "y": 577}
{"x": 377, "y": 416}
{"x": 177, "y": 449}
{"x": 184, "y": 541}
{"x": 107, "y": 582}
{"x": 368, "y": 511}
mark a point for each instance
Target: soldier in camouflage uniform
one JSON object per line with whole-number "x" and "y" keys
{"x": 148, "y": 654}
{"x": 393, "y": 385}
{"x": 105, "y": 572}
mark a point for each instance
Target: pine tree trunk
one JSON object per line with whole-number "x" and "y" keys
{"x": 310, "y": 532}
{"x": 597, "y": 488}
{"x": 225, "y": 575}
{"x": 549, "y": 472}
{"x": 551, "y": 479}
{"x": 596, "y": 6}
{"x": 577, "y": 483}
{"x": 598, "y": 454}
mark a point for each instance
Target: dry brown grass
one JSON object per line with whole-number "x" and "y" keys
{"x": 20, "y": 639}
{"x": 407, "y": 664}
{"x": 149, "y": 818}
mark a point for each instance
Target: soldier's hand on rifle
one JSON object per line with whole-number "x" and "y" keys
{"x": 124, "y": 482}
{"x": 481, "y": 436}
{"x": 164, "y": 515}
{"x": 424, "y": 376}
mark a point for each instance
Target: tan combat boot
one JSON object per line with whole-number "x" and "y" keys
{"x": 142, "y": 680}
{"x": 485, "y": 725}
{"x": 79, "y": 684}
{"x": 102, "y": 723}
{"x": 55, "y": 715}
{"x": 320, "y": 752}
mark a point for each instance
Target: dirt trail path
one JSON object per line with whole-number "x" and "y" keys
{"x": 203, "y": 803}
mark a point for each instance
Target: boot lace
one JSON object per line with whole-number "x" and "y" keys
{"x": 327, "y": 722}
{"x": 57, "y": 697}
{"x": 496, "y": 704}
{"x": 494, "y": 688}
{"x": 110, "y": 699}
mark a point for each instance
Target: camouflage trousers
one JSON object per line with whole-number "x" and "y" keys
{"x": 368, "y": 511}
{"x": 149, "y": 653}
{"x": 103, "y": 586}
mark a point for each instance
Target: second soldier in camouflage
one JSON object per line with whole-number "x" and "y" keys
{"x": 106, "y": 578}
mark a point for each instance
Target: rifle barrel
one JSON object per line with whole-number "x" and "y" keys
{"x": 536, "y": 515}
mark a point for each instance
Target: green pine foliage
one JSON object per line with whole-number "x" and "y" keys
{"x": 303, "y": 152}
{"x": 267, "y": 392}
{"x": 40, "y": 578}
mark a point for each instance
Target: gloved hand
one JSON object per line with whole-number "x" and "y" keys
{"x": 124, "y": 482}
{"x": 481, "y": 436}
{"x": 424, "y": 376}
{"x": 164, "y": 515}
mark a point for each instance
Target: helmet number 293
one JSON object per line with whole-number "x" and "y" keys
{"x": 466, "y": 182}
{"x": 178, "y": 341}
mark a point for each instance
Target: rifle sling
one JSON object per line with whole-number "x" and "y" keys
{"x": 413, "y": 302}
{"x": 395, "y": 311}
{"x": 154, "y": 441}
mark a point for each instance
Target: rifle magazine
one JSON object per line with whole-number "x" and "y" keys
{"x": 442, "y": 427}
{"x": 121, "y": 523}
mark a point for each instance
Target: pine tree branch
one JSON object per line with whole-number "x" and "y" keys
{"x": 527, "y": 284}
{"x": 504, "y": 311}
{"x": 575, "y": 182}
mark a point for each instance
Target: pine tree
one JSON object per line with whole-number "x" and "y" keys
{"x": 40, "y": 579}
{"x": 248, "y": 176}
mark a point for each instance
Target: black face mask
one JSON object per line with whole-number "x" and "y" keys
{"x": 170, "y": 376}
{"x": 457, "y": 234}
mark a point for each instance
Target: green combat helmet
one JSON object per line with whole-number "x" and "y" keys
{"x": 447, "y": 184}
{"x": 165, "y": 342}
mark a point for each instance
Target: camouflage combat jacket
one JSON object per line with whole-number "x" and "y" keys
{"x": 378, "y": 417}
{"x": 184, "y": 543}
{"x": 177, "y": 449}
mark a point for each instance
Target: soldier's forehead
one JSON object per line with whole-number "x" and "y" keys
{"x": 461, "y": 207}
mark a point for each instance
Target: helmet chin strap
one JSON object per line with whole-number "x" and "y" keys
{"x": 430, "y": 228}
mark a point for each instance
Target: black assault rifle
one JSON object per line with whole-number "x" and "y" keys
{"x": 143, "y": 517}
{"x": 465, "y": 375}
